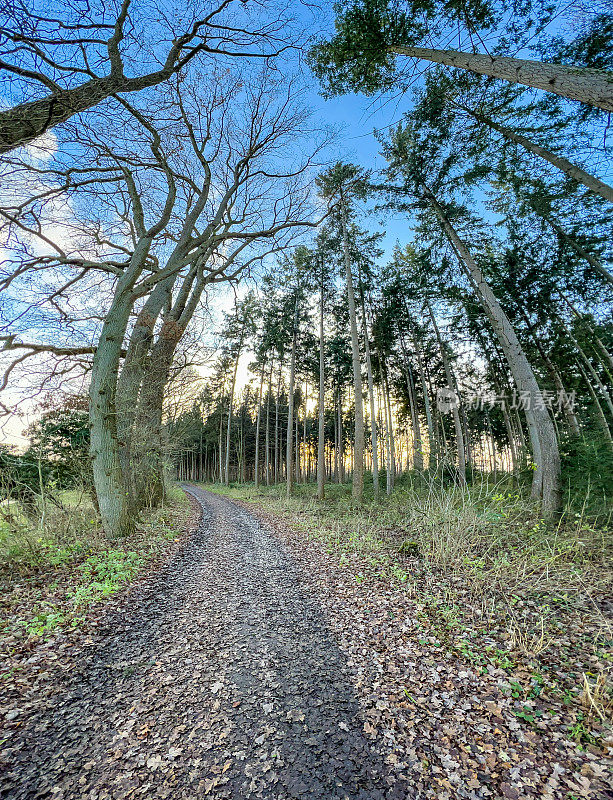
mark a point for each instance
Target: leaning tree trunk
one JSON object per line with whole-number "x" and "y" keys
{"x": 148, "y": 446}
{"x": 133, "y": 371}
{"x": 357, "y": 490}
{"x": 602, "y": 420}
{"x": 24, "y": 123}
{"x": 110, "y": 481}
{"x": 571, "y": 170}
{"x": 569, "y": 413}
{"x": 547, "y": 477}
{"x": 608, "y": 362}
{"x": 591, "y": 259}
{"x": 591, "y": 86}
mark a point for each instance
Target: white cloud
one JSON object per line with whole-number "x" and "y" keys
{"x": 44, "y": 147}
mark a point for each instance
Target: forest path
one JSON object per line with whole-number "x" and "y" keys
{"x": 218, "y": 677}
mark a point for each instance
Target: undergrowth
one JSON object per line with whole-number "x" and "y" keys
{"x": 489, "y": 533}
{"x": 53, "y": 569}
{"x": 501, "y": 586}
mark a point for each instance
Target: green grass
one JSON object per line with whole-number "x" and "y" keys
{"x": 486, "y": 533}
{"x": 493, "y": 584}
{"x": 53, "y": 569}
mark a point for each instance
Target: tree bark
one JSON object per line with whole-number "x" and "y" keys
{"x": 110, "y": 481}
{"x": 230, "y": 407}
{"x": 547, "y": 476}
{"x": 289, "y": 454}
{"x": 267, "y": 439}
{"x": 133, "y": 370}
{"x": 432, "y": 443}
{"x": 604, "y": 425}
{"x": 573, "y": 171}
{"x": 591, "y": 259}
{"x": 371, "y": 394}
{"x": 321, "y": 440}
{"x": 257, "y": 432}
{"x": 277, "y": 401}
{"x": 418, "y": 456}
{"x": 591, "y": 86}
{"x": 27, "y": 121}
{"x": 148, "y": 446}
{"x": 357, "y": 490}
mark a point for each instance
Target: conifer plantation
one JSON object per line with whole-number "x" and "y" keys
{"x": 306, "y": 396}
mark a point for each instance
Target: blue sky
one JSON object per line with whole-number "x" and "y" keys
{"x": 356, "y": 117}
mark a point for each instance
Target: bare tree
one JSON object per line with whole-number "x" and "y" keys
{"x": 219, "y": 179}
{"x": 59, "y": 66}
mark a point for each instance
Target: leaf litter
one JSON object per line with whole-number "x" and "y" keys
{"x": 217, "y": 676}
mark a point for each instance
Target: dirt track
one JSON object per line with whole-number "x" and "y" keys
{"x": 217, "y": 677}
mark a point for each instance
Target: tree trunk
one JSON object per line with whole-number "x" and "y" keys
{"x": 230, "y": 407}
{"x": 591, "y": 86}
{"x": 297, "y": 451}
{"x": 608, "y": 362}
{"x": 133, "y": 371}
{"x": 451, "y": 384}
{"x": 548, "y": 474}
{"x": 371, "y": 395}
{"x": 305, "y": 448}
{"x": 220, "y": 447}
{"x": 357, "y": 490}
{"x": 277, "y": 401}
{"x": 341, "y": 441}
{"x": 148, "y": 450}
{"x": 432, "y": 442}
{"x": 257, "y": 432}
{"x": 110, "y": 482}
{"x": 510, "y": 436}
{"x": 604, "y": 425}
{"x": 418, "y": 456}
{"x": 289, "y": 455}
{"x": 563, "y": 164}
{"x": 392, "y": 438}
{"x": 571, "y": 418}
{"x": 267, "y": 440}
{"x": 25, "y": 122}
{"x": 321, "y": 435}
{"x": 592, "y": 260}
{"x": 391, "y": 450}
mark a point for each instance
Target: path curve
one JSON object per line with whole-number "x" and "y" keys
{"x": 218, "y": 678}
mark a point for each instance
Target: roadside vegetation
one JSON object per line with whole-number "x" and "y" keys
{"x": 57, "y": 567}
{"x": 489, "y": 580}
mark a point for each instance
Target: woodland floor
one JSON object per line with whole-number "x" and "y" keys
{"x": 218, "y": 676}
{"x": 253, "y": 665}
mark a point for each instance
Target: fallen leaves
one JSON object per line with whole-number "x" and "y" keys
{"x": 443, "y": 695}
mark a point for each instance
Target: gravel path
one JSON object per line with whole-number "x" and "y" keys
{"x": 217, "y": 678}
